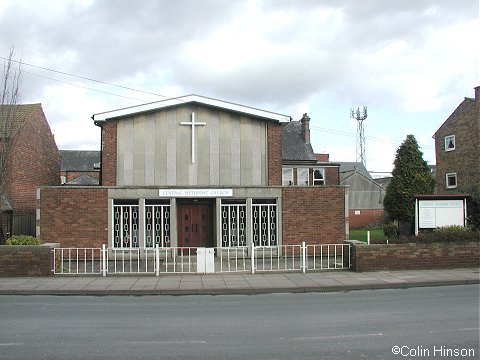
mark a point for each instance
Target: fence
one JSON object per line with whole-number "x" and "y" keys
{"x": 184, "y": 260}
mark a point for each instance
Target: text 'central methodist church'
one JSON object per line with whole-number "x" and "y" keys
{"x": 199, "y": 172}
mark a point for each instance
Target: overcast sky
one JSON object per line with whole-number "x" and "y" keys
{"x": 411, "y": 62}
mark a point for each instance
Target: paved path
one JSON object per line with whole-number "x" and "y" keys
{"x": 216, "y": 284}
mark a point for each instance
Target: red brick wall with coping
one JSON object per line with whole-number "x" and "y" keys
{"x": 315, "y": 215}
{"x": 73, "y": 216}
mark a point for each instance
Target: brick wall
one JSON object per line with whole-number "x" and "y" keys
{"x": 274, "y": 136}
{"x": 25, "y": 260}
{"x": 35, "y": 162}
{"x": 413, "y": 256}
{"x": 109, "y": 154}
{"x": 365, "y": 218}
{"x": 73, "y": 216}
{"x": 464, "y": 123}
{"x": 313, "y": 214}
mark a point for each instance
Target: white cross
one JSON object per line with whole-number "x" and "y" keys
{"x": 193, "y": 124}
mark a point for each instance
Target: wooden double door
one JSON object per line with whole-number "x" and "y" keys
{"x": 195, "y": 224}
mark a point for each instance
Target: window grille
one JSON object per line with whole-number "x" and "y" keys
{"x": 157, "y": 224}
{"x": 234, "y": 223}
{"x": 264, "y": 223}
{"x": 125, "y": 224}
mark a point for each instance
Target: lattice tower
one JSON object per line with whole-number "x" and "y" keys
{"x": 360, "y": 115}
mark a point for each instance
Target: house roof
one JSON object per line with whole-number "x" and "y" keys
{"x": 129, "y": 111}
{"x": 349, "y": 168}
{"x": 79, "y": 160}
{"x": 294, "y": 148}
{"x": 21, "y": 113}
{"x": 83, "y": 180}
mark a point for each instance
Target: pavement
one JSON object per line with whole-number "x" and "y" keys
{"x": 238, "y": 283}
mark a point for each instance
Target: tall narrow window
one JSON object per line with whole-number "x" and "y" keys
{"x": 287, "y": 176}
{"x": 157, "y": 223}
{"x": 319, "y": 177}
{"x": 450, "y": 143}
{"x": 451, "y": 180}
{"x": 125, "y": 224}
{"x": 302, "y": 177}
{"x": 264, "y": 222}
{"x": 234, "y": 223}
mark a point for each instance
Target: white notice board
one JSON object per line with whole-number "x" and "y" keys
{"x": 436, "y": 213}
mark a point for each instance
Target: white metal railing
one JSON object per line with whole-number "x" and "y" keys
{"x": 328, "y": 256}
{"x": 163, "y": 260}
{"x": 77, "y": 261}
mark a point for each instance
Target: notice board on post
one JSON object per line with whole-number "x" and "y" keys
{"x": 436, "y": 211}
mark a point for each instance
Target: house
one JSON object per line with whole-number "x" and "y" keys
{"x": 79, "y": 167}
{"x": 365, "y": 195}
{"x": 198, "y": 172}
{"x": 457, "y": 148}
{"x": 32, "y": 161}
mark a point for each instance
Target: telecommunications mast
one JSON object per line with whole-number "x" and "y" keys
{"x": 360, "y": 115}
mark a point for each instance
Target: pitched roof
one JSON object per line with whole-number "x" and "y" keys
{"x": 467, "y": 106}
{"x": 79, "y": 160}
{"x": 294, "y": 148}
{"x": 349, "y": 168}
{"x": 20, "y": 113}
{"x": 102, "y": 117}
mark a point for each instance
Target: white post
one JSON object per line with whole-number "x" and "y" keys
{"x": 368, "y": 237}
{"x": 104, "y": 260}
{"x": 304, "y": 258}
{"x": 252, "y": 256}
{"x": 157, "y": 260}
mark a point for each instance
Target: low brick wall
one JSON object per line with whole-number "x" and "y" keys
{"x": 365, "y": 257}
{"x": 25, "y": 260}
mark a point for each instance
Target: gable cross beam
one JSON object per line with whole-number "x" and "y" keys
{"x": 193, "y": 124}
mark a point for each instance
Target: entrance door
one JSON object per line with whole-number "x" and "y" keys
{"x": 195, "y": 225}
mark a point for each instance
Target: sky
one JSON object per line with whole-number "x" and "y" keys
{"x": 410, "y": 62}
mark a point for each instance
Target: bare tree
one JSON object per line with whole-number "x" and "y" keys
{"x": 10, "y": 99}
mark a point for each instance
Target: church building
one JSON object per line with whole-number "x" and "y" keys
{"x": 194, "y": 171}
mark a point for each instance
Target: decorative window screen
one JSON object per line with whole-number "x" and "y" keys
{"x": 125, "y": 224}
{"x": 264, "y": 223}
{"x": 234, "y": 223}
{"x": 157, "y": 223}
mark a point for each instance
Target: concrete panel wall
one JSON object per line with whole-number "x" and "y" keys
{"x": 156, "y": 149}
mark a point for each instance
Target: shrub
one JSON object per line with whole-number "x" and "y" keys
{"x": 390, "y": 230}
{"x": 22, "y": 240}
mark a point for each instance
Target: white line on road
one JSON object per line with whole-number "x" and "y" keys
{"x": 345, "y": 336}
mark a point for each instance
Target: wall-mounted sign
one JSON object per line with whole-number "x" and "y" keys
{"x": 195, "y": 193}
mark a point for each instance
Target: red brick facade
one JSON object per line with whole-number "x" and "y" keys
{"x": 464, "y": 124}
{"x": 73, "y": 216}
{"x": 315, "y": 215}
{"x": 109, "y": 154}
{"x": 34, "y": 161}
{"x": 274, "y": 134}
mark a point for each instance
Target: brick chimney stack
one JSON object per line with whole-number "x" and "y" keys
{"x": 477, "y": 94}
{"x": 306, "y": 128}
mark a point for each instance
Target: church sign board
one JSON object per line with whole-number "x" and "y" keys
{"x": 434, "y": 211}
